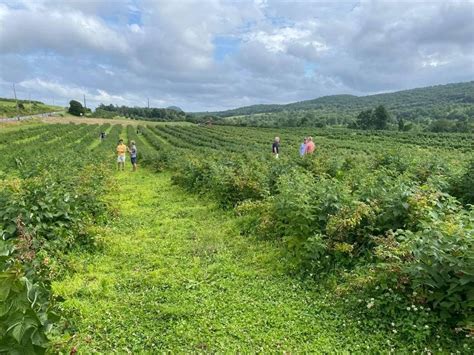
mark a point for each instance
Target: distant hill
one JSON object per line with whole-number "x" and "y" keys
{"x": 25, "y": 107}
{"x": 405, "y": 102}
{"x": 175, "y": 108}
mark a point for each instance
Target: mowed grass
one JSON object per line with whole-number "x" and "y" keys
{"x": 175, "y": 275}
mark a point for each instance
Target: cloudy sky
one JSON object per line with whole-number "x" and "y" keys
{"x": 218, "y": 54}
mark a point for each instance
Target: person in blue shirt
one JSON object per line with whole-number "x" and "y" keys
{"x": 133, "y": 155}
{"x": 303, "y": 147}
{"x": 276, "y": 147}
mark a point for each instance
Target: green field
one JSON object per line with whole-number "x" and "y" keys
{"x": 8, "y": 108}
{"x": 214, "y": 245}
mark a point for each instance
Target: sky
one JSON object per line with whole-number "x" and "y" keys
{"x": 205, "y": 55}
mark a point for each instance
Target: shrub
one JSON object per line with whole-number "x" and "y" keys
{"x": 76, "y": 108}
{"x": 463, "y": 187}
{"x": 436, "y": 261}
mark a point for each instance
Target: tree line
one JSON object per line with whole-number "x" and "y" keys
{"x": 141, "y": 113}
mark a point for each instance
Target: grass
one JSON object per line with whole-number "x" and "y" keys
{"x": 175, "y": 275}
{"x": 12, "y": 126}
{"x": 8, "y": 108}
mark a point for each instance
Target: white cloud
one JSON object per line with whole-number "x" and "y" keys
{"x": 66, "y": 33}
{"x": 56, "y": 89}
{"x": 127, "y": 50}
{"x": 280, "y": 39}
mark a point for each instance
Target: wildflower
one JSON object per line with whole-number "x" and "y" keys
{"x": 408, "y": 309}
{"x": 394, "y": 331}
{"x": 427, "y": 327}
{"x": 393, "y": 324}
{"x": 370, "y": 305}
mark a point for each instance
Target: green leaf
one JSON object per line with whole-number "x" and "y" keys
{"x": 20, "y": 329}
{"x": 6, "y": 282}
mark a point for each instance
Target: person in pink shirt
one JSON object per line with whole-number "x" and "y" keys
{"x": 310, "y": 147}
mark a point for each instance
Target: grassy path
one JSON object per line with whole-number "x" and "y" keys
{"x": 175, "y": 275}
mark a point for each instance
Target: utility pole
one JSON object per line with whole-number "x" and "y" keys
{"x": 85, "y": 101}
{"x": 29, "y": 101}
{"x": 16, "y": 101}
{"x": 148, "y": 100}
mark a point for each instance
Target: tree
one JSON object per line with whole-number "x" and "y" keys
{"x": 441, "y": 126}
{"x": 365, "y": 119}
{"x": 381, "y": 117}
{"x": 401, "y": 124}
{"x": 75, "y": 108}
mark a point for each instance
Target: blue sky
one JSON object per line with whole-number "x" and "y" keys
{"x": 225, "y": 46}
{"x": 216, "y": 54}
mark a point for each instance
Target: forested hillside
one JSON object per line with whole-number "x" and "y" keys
{"x": 421, "y": 106}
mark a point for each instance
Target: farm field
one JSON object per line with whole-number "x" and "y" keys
{"x": 90, "y": 120}
{"x": 216, "y": 246}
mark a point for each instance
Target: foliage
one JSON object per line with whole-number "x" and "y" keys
{"x": 48, "y": 203}
{"x": 420, "y": 108}
{"x": 177, "y": 276}
{"x": 376, "y": 216}
{"x": 374, "y": 119}
{"x": 335, "y": 209}
{"x": 144, "y": 113}
{"x": 462, "y": 186}
{"x": 75, "y": 108}
{"x": 441, "y": 266}
{"x": 8, "y": 107}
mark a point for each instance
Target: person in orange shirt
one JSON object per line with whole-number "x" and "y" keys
{"x": 310, "y": 147}
{"x": 121, "y": 149}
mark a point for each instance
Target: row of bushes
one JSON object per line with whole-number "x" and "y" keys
{"x": 406, "y": 216}
{"x": 49, "y": 206}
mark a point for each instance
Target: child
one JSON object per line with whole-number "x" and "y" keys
{"x": 121, "y": 149}
{"x": 276, "y": 147}
{"x": 133, "y": 155}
